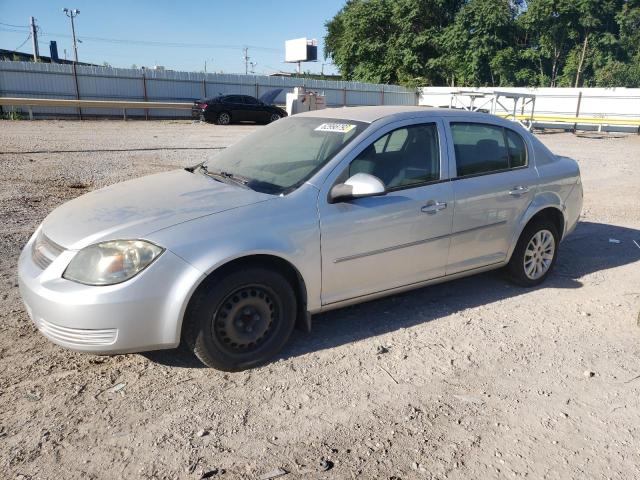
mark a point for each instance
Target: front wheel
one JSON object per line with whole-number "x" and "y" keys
{"x": 242, "y": 319}
{"x": 274, "y": 117}
{"x": 535, "y": 254}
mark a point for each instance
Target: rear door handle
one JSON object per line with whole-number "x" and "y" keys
{"x": 433, "y": 207}
{"x": 518, "y": 191}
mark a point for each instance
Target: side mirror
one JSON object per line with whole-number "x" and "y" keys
{"x": 357, "y": 186}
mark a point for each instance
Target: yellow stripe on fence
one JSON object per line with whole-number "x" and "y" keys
{"x": 580, "y": 120}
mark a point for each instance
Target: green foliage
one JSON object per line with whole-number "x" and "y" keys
{"x": 488, "y": 42}
{"x": 13, "y": 114}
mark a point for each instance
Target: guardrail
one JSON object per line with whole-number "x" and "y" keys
{"x": 116, "y": 104}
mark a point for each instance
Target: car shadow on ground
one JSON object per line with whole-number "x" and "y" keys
{"x": 584, "y": 252}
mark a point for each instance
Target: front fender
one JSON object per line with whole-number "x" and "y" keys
{"x": 284, "y": 227}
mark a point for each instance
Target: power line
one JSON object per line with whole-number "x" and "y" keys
{"x": 15, "y": 26}
{"x": 149, "y": 43}
{"x": 19, "y": 46}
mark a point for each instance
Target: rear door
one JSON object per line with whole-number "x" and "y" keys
{"x": 493, "y": 184}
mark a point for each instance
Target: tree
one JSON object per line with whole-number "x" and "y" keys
{"x": 488, "y": 42}
{"x": 480, "y": 42}
{"x": 389, "y": 41}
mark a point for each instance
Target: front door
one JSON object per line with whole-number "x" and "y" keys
{"x": 236, "y": 107}
{"x": 379, "y": 243}
{"x": 493, "y": 185}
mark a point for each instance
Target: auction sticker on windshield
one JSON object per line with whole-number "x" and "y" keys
{"x": 335, "y": 127}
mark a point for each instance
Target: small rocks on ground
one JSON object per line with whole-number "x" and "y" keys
{"x": 326, "y": 465}
{"x": 278, "y": 472}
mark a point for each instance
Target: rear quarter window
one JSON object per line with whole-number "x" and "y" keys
{"x": 517, "y": 149}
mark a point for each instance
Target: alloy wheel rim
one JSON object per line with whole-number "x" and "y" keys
{"x": 538, "y": 255}
{"x": 275, "y": 117}
{"x": 223, "y": 118}
{"x": 245, "y": 319}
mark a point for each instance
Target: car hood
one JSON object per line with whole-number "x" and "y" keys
{"x": 136, "y": 208}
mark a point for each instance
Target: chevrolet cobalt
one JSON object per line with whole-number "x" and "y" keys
{"x": 313, "y": 212}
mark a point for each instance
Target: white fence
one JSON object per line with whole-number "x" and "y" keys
{"x": 45, "y": 80}
{"x": 608, "y": 104}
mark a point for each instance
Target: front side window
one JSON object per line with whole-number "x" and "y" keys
{"x": 250, "y": 100}
{"x": 403, "y": 157}
{"x": 482, "y": 148}
{"x": 286, "y": 153}
{"x": 233, "y": 99}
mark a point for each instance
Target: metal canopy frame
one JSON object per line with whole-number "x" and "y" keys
{"x": 475, "y": 100}
{"x": 455, "y": 100}
{"x": 519, "y": 99}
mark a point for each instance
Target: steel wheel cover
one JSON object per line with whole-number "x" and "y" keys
{"x": 539, "y": 254}
{"x": 245, "y": 319}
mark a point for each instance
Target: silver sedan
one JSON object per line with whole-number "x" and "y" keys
{"x": 311, "y": 213}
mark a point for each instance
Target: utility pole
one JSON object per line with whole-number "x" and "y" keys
{"x": 34, "y": 37}
{"x": 72, "y": 13}
{"x": 246, "y": 60}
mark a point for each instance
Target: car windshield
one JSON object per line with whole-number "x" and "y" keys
{"x": 283, "y": 155}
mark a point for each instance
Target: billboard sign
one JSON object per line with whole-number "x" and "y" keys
{"x": 301, "y": 50}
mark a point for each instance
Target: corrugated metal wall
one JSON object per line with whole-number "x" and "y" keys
{"x": 45, "y": 80}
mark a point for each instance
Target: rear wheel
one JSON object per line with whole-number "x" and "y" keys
{"x": 223, "y": 118}
{"x": 242, "y": 319}
{"x": 535, "y": 253}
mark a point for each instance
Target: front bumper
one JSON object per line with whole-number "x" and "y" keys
{"x": 144, "y": 313}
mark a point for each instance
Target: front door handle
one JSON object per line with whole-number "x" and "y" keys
{"x": 518, "y": 191}
{"x": 433, "y": 207}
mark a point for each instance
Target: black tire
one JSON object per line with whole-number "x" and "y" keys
{"x": 274, "y": 117}
{"x": 516, "y": 269}
{"x": 223, "y": 118}
{"x": 228, "y": 314}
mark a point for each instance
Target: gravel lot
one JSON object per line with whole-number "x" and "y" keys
{"x": 479, "y": 379}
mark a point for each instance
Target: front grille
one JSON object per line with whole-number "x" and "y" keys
{"x": 45, "y": 251}
{"x": 76, "y": 336}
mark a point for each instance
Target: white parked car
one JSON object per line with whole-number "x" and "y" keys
{"x": 311, "y": 213}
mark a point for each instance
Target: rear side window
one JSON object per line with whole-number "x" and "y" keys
{"x": 482, "y": 148}
{"x": 250, "y": 100}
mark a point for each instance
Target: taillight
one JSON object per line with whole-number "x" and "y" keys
{"x": 201, "y": 105}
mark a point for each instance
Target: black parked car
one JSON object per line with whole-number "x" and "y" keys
{"x": 225, "y": 109}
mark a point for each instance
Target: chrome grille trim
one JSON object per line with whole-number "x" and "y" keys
{"x": 45, "y": 251}
{"x": 77, "y": 336}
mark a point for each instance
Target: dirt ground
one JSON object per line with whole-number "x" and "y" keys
{"x": 477, "y": 378}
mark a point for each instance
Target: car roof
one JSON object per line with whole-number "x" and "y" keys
{"x": 372, "y": 113}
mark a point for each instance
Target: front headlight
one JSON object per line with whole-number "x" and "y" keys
{"x": 111, "y": 262}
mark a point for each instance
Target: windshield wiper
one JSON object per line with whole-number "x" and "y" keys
{"x": 226, "y": 177}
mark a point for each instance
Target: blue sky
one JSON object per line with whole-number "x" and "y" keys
{"x": 221, "y": 28}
